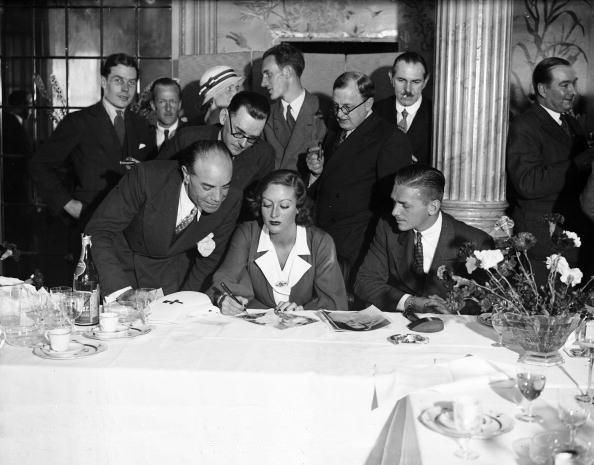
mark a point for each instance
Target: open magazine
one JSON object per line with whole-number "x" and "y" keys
{"x": 282, "y": 320}
{"x": 364, "y": 320}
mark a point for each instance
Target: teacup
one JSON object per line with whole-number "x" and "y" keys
{"x": 59, "y": 338}
{"x": 109, "y": 322}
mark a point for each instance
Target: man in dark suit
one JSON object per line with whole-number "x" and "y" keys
{"x": 408, "y": 109}
{"x": 241, "y": 126}
{"x": 400, "y": 270}
{"x": 548, "y": 164}
{"x": 167, "y": 223}
{"x": 352, "y": 188}
{"x": 296, "y": 122}
{"x": 100, "y": 142}
{"x": 166, "y": 102}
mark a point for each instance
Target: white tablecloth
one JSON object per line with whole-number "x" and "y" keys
{"x": 211, "y": 389}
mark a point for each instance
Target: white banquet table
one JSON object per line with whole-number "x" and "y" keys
{"x": 210, "y": 389}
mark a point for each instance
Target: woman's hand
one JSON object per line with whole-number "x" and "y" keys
{"x": 288, "y": 307}
{"x": 230, "y": 307}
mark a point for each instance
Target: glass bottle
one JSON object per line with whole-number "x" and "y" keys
{"x": 86, "y": 285}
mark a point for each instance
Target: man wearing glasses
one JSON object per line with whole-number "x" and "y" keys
{"x": 240, "y": 129}
{"x": 351, "y": 182}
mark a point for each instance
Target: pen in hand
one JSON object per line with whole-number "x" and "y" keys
{"x": 230, "y": 294}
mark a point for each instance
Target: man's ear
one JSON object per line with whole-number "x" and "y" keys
{"x": 369, "y": 103}
{"x": 153, "y": 106}
{"x": 103, "y": 82}
{"x": 540, "y": 89}
{"x": 223, "y": 115}
{"x": 185, "y": 174}
{"x": 434, "y": 207}
{"x": 390, "y": 75}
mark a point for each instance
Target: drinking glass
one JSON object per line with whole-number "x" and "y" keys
{"x": 573, "y": 412}
{"x": 530, "y": 385}
{"x": 585, "y": 339}
{"x": 143, "y": 298}
{"x": 497, "y": 322}
{"x": 468, "y": 418}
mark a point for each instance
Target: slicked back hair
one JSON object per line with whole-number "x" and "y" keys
{"x": 287, "y": 55}
{"x": 542, "y": 71}
{"x": 256, "y": 105}
{"x": 118, "y": 59}
{"x": 202, "y": 149}
{"x": 167, "y": 82}
{"x": 411, "y": 58}
{"x": 364, "y": 83}
{"x": 430, "y": 181}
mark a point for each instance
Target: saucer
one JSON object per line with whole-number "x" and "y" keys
{"x": 73, "y": 348}
{"x": 85, "y": 350}
{"x": 441, "y": 420}
{"x": 125, "y": 333}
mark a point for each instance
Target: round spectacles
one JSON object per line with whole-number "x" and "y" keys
{"x": 346, "y": 109}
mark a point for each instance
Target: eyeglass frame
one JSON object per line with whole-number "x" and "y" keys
{"x": 241, "y": 135}
{"x": 346, "y": 112}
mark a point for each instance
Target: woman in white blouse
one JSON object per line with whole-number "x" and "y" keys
{"x": 280, "y": 261}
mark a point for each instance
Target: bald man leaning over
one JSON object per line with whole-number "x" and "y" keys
{"x": 167, "y": 222}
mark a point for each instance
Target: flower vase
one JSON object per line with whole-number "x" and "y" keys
{"x": 540, "y": 336}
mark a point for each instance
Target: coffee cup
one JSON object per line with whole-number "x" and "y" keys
{"x": 59, "y": 338}
{"x": 109, "y": 322}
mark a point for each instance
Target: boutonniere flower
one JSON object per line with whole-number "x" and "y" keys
{"x": 206, "y": 246}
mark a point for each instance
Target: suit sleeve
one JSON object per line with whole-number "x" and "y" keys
{"x": 107, "y": 225}
{"x": 329, "y": 291}
{"x": 396, "y": 153}
{"x": 199, "y": 277}
{"x": 233, "y": 271}
{"x": 531, "y": 177}
{"x": 371, "y": 283}
{"x": 50, "y": 158}
{"x": 174, "y": 146}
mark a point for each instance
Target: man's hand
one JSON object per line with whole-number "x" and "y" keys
{"x": 230, "y": 307}
{"x": 130, "y": 162}
{"x": 288, "y": 307}
{"x": 74, "y": 208}
{"x": 431, "y": 304}
{"x": 315, "y": 160}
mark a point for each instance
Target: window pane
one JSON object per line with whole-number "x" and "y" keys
{"x": 119, "y": 2}
{"x": 153, "y": 69}
{"x": 83, "y": 31}
{"x": 16, "y": 75}
{"x": 48, "y": 91}
{"x": 155, "y": 32}
{"x": 18, "y": 31}
{"x": 84, "y": 82}
{"x": 119, "y": 31}
{"x": 52, "y": 32}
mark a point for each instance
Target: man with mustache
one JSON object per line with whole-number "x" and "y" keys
{"x": 548, "y": 163}
{"x": 166, "y": 102}
{"x": 167, "y": 223}
{"x": 408, "y": 109}
{"x": 296, "y": 122}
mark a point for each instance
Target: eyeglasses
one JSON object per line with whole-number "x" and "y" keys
{"x": 242, "y": 135}
{"x": 345, "y": 109}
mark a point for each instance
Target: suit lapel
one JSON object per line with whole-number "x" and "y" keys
{"x": 446, "y": 239}
{"x": 279, "y": 125}
{"x": 105, "y": 133}
{"x": 304, "y": 121}
{"x": 162, "y": 216}
{"x": 550, "y": 125}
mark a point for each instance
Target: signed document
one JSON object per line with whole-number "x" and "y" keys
{"x": 364, "y": 320}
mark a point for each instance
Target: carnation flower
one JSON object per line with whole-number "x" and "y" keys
{"x": 489, "y": 258}
{"x": 524, "y": 241}
{"x": 558, "y": 263}
{"x": 572, "y": 277}
{"x": 574, "y": 237}
{"x": 471, "y": 264}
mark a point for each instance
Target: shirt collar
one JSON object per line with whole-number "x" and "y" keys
{"x": 111, "y": 109}
{"x": 411, "y": 109}
{"x": 185, "y": 203}
{"x": 296, "y": 104}
{"x": 301, "y": 247}
{"x": 432, "y": 231}
{"x": 554, "y": 114}
{"x": 171, "y": 128}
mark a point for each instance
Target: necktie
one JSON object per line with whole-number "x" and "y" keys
{"x": 120, "y": 127}
{"x": 341, "y": 137}
{"x": 166, "y": 132}
{"x": 186, "y": 221}
{"x": 418, "y": 256}
{"x": 565, "y": 125}
{"x": 403, "y": 125}
{"x": 290, "y": 119}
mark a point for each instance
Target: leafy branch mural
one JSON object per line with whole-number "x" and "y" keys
{"x": 552, "y": 28}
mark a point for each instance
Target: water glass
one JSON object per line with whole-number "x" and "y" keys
{"x": 585, "y": 339}
{"x": 530, "y": 385}
{"x": 573, "y": 411}
{"x": 498, "y": 325}
{"x": 468, "y": 419}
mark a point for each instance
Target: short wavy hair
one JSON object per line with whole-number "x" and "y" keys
{"x": 287, "y": 178}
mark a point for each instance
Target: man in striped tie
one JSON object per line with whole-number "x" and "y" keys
{"x": 167, "y": 223}
{"x": 400, "y": 270}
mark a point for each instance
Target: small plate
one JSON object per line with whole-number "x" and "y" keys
{"x": 126, "y": 333}
{"x": 86, "y": 350}
{"x": 441, "y": 420}
{"x": 408, "y": 338}
{"x": 485, "y": 319}
{"x": 73, "y": 348}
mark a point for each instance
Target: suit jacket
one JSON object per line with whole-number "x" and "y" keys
{"x": 169, "y": 142}
{"x": 544, "y": 178}
{"x": 249, "y": 166}
{"x": 309, "y": 130}
{"x": 355, "y": 185}
{"x": 419, "y": 132}
{"x": 87, "y": 139}
{"x": 386, "y": 273}
{"x": 321, "y": 286}
{"x": 133, "y": 233}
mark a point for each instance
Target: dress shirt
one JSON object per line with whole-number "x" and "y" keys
{"x": 410, "y": 110}
{"x": 185, "y": 206}
{"x": 111, "y": 109}
{"x": 161, "y": 132}
{"x": 296, "y": 105}
{"x": 282, "y": 280}
{"x": 429, "y": 239}
{"x": 555, "y": 115}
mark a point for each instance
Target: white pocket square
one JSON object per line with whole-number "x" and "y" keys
{"x": 141, "y": 146}
{"x": 206, "y": 246}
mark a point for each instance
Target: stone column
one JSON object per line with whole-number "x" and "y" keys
{"x": 194, "y": 25}
{"x": 471, "y": 103}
